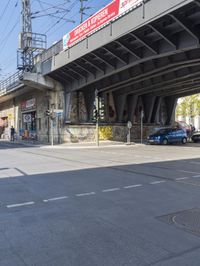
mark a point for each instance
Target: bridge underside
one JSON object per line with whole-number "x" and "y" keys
{"x": 149, "y": 69}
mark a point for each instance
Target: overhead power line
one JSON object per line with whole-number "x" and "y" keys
{"x": 8, "y": 35}
{"x": 62, "y": 17}
{"x": 57, "y": 7}
{"x": 48, "y": 14}
{"x": 4, "y": 10}
{"x": 82, "y": 9}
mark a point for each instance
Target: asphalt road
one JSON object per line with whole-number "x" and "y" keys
{"x": 109, "y": 206}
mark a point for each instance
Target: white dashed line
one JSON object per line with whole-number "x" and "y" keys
{"x": 133, "y": 186}
{"x": 111, "y": 189}
{"x": 85, "y": 194}
{"x": 54, "y": 199}
{"x": 20, "y": 204}
{"x": 104, "y": 191}
{"x": 181, "y": 178}
{"x": 189, "y": 172}
{"x": 157, "y": 182}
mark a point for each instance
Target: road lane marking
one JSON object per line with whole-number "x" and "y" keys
{"x": 104, "y": 191}
{"x": 157, "y": 182}
{"x": 133, "y": 186}
{"x": 20, "y": 204}
{"x": 110, "y": 190}
{"x": 85, "y": 194}
{"x": 54, "y": 199}
{"x": 181, "y": 178}
{"x": 189, "y": 172}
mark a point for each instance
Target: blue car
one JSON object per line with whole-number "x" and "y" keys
{"x": 168, "y": 135}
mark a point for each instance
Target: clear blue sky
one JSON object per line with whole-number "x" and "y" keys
{"x": 54, "y": 27}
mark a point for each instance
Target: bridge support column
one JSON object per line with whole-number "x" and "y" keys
{"x": 149, "y": 102}
{"x": 156, "y": 110}
{"x": 132, "y": 104}
{"x": 89, "y": 98}
{"x": 120, "y": 102}
{"x": 170, "y": 103}
{"x": 68, "y": 97}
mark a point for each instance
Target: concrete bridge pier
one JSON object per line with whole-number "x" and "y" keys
{"x": 132, "y": 104}
{"x": 170, "y": 103}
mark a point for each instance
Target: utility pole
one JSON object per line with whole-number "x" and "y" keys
{"x": 29, "y": 43}
{"x": 24, "y": 38}
{"x": 143, "y": 9}
{"x": 82, "y": 9}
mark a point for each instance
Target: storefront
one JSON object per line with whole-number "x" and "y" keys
{"x": 28, "y": 125}
{"x": 3, "y": 125}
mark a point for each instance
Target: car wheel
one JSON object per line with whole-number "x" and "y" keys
{"x": 165, "y": 142}
{"x": 184, "y": 140}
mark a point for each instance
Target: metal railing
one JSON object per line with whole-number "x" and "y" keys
{"x": 11, "y": 82}
{"x": 53, "y": 50}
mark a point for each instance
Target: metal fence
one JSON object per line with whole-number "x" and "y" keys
{"x": 10, "y": 83}
{"x": 53, "y": 50}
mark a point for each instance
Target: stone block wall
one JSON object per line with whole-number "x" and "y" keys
{"x": 87, "y": 133}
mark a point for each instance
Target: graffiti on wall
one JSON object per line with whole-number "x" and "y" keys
{"x": 106, "y": 133}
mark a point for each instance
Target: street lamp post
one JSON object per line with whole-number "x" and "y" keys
{"x": 142, "y": 115}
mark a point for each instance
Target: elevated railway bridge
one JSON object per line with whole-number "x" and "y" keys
{"x": 141, "y": 61}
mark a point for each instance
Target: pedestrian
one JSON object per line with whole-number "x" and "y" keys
{"x": 12, "y": 133}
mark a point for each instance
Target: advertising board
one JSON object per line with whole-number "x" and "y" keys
{"x": 101, "y": 18}
{"x": 28, "y": 105}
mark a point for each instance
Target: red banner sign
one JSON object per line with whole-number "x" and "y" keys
{"x": 28, "y": 105}
{"x": 99, "y": 19}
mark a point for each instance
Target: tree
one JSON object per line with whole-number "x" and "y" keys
{"x": 189, "y": 106}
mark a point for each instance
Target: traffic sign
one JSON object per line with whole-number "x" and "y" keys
{"x": 58, "y": 110}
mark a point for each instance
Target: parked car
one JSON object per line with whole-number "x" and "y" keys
{"x": 168, "y": 135}
{"x": 196, "y": 136}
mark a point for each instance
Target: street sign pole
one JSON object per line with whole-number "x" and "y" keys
{"x": 129, "y": 126}
{"x": 52, "y": 133}
{"x": 97, "y": 118}
{"x": 142, "y": 115}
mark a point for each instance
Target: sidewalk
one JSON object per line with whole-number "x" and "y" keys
{"x": 83, "y": 145}
{"x": 88, "y": 145}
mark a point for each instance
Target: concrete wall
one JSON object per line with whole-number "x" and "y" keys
{"x": 87, "y": 133}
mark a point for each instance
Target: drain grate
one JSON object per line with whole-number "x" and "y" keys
{"x": 188, "y": 220}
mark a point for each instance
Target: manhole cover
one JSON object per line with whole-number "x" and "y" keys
{"x": 188, "y": 220}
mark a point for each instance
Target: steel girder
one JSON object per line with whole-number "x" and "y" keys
{"x": 147, "y": 60}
